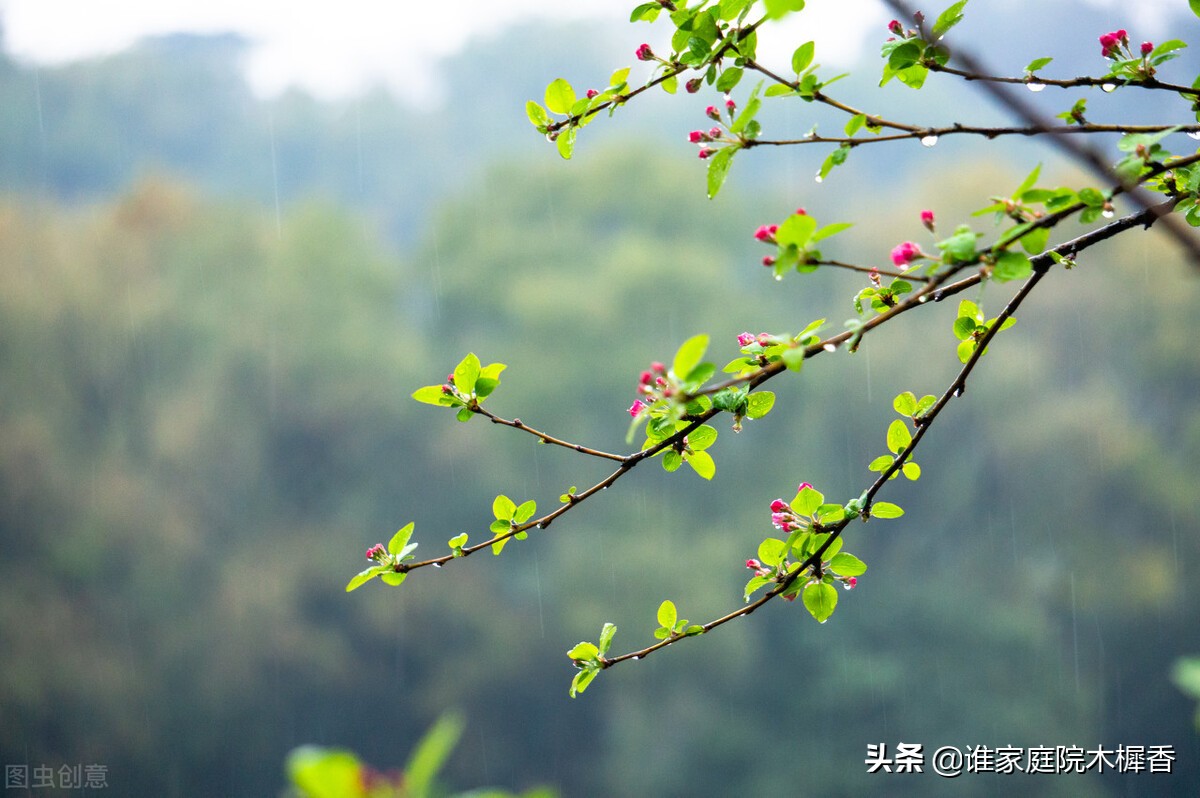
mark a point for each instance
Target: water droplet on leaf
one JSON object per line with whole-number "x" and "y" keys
{"x": 1035, "y": 87}
{"x": 927, "y": 141}
{"x": 778, "y": 277}
{"x": 819, "y": 178}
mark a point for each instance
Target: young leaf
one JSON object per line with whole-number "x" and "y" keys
{"x": 821, "y": 600}
{"x": 582, "y": 680}
{"x": 560, "y": 96}
{"x": 905, "y": 403}
{"x": 667, "y": 614}
{"x": 885, "y": 510}
{"x": 948, "y": 19}
{"x": 433, "y": 395}
{"x": 898, "y": 436}
{"x": 689, "y": 355}
{"x": 772, "y": 551}
{"x": 525, "y": 512}
{"x": 718, "y": 168}
{"x": 844, "y": 564}
{"x": 606, "y": 636}
{"x": 362, "y": 577}
{"x": 701, "y": 438}
{"x": 1011, "y": 266}
{"x": 702, "y": 463}
{"x": 807, "y": 501}
{"x": 392, "y": 578}
{"x": 778, "y": 8}
{"x": 803, "y": 57}
{"x": 466, "y": 373}
{"x": 503, "y": 508}
{"x": 398, "y": 541}
{"x": 759, "y": 404}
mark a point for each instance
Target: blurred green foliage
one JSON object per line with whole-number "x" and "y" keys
{"x": 206, "y": 418}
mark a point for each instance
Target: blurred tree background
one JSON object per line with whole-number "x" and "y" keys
{"x": 214, "y": 307}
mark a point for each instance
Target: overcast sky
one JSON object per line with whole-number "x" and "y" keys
{"x": 338, "y": 48}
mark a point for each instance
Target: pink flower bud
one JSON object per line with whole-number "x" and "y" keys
{"x": 905, "y": 253}
{"x": 714, "y": 133}
{"x": 851, "y": 582}
{"x": 1147, "y": 48}
{"x": 895, "y": 27}
{"x": 646, "y": 378}
{"x": 696, "y": 136}
{"x": 801, "y": 212}
{"x": 712, "y": 113}
{"x": 778, "y": 506}
{"x": 705, "y": 153}
{"x": 730, "y": 104}
{"x": 446, "y": 389}
{"x": 591, "y": 93}
{"x": 766, "y": 233}
{"x": 644, "y": 53}
{"x": 659, "y": 367}
{"x": 803, "y": 485}
{"x": 753, "y": 564}
{"x": 779, "y": 520}
{"x": 745, "y": 339}
{"x": 693, "y": 85}
{"x": 768, "y": 260}
{"x": 927, "y": 220}
{"x": 636, "y": 408}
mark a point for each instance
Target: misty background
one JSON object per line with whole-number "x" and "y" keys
{"x": 214, "y": 305}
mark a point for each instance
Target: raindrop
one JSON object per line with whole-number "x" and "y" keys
{"x": 927, "y": 141}
{"x": 437, "y": 565}
{"x": 829, "y": 347}
{"x": 1035, "y": 87}
{"x": 541, "y": 526}
{"x": 1108, "y": 87}
{"x": 825, "y": 620}
{"x": 1194, "y": 134}
{"x": 778, "y": 278}
{"x": 604, "y": 488}
{"x": 923, "y": 298}
{"x": 958, "y": 392}
{"x": 1108, "y": 213}
{"x": 938, "y": 296}
{"x": 635, "y": 658}
{"x": 820, "y": 178}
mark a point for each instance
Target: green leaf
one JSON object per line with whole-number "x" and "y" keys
{"x": 606, "y": 637}
{"x": 689, "y": 355}
{"x": 503, "y": 508}
{"x": 667, "y": 614}
{"x": 1035, "y": 240}
{"x": 489, "y": 379}
{"x": 960, "y": 247}
{"x": 392, "y": 578}
{"x": 584, "y": 652}
{"x": 964, "y": 326}
{"x": 525, "y": 512}
{"x": 803, "y": 57}
{"x": 1011, "y": 266}
{"x": 911, "y": 471}
{"x": 1038, "y": 63}
{"x": 898, "y": 436}
{"x": 537, "y": 114}
{"x": 885, "y": 510}
{"x": 965, "y": 350}
{"x": 830, "y": 230}
{"x": 672, "y": 460}
{"x": 844, "y": 564}
{"x": 433, "y": 395}
{"x": 796, "y": 230}
{"x": 582, "y": 680}
{"x": 772, "y": 551}
{"x": 1195, "y": 5}
{"x": 729, "y": 78}
{"x": 565, "y": 143}
{"x": 779, "y": 8}
{"x": 835, "y": 158}
{"x": 431, "y": 753}
{"x": 948, "y": 19}
{"x": 970, "y": 310}
{"x": 807, "y": 501}
{"x": 466, "y": 373}
{"x": 364, "y": 576}
{"x": 560, "y": 96}
{"x": 793, "y": 358}
{"x": 821, "y": 600}
{"x": 905, "y": 403}
{"x": 881, "y": 463}
{"x": 759, "y": 404}
{"x": 718, "y": 169}
{"x": 400, "y": 539}
{"x": 701, "y": 438}
{"x": 702, "y": 463}
{"x": 324, "y": 772}
{"x": 458, "y": 541}
{"x": 646, "y": 11}
{"x": 730, "y": 9}
{"x": 756, "y": 583}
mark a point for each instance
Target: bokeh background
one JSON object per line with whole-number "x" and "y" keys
{"x": 217, "y": 293}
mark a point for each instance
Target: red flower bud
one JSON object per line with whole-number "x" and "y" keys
{"x": 693, "y": 85}
{"x": 712, "y": 113}
{"x": 778, "y": 506}
{"x": 591, "y": 93}
{"x": 644, "y": 53}
{"x": 1147, "y": 48}
{"x": 895, "y": 27}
